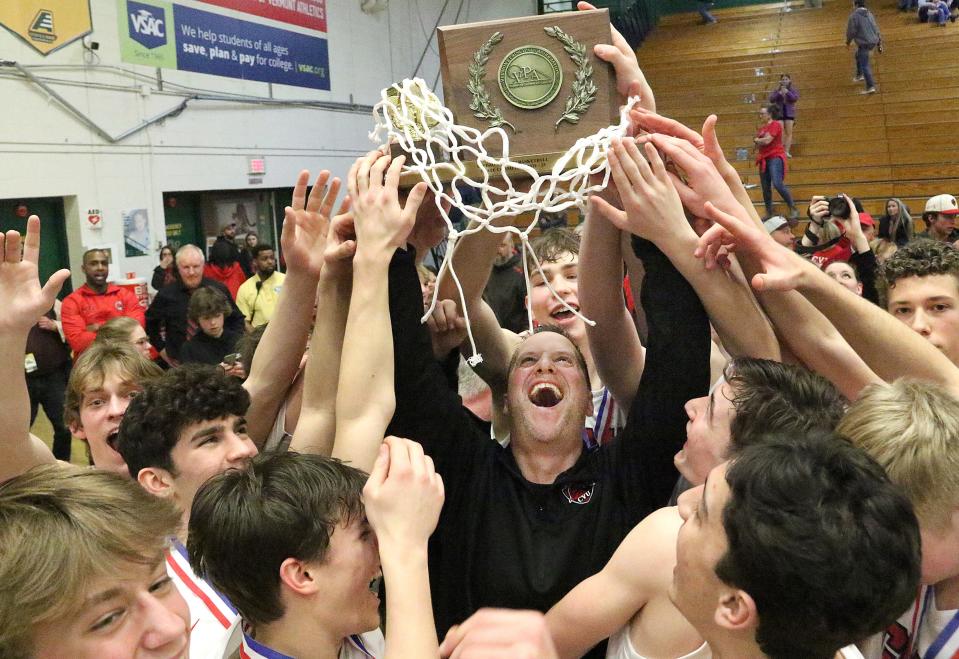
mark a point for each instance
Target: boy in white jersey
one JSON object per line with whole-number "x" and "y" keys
{"x": 797, "y": 547}
{"x": 310, "y": 589}
{"x": 912, "y": 430}
{"x": 184, "y": 428}
{"x": 629, "y": 599}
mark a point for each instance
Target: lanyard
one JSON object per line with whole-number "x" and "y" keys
{"x": 944, "y": 636}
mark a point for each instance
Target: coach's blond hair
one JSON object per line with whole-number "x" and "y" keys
{"x": 911, "y": 428}
{"x": 62, "y": 527}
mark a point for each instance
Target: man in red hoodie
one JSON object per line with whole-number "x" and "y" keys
{"x": 96, "y": 302}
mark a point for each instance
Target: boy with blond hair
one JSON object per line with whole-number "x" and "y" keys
{"x": 912, "y": 429}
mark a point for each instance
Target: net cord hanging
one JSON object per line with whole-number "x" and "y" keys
{"x": 411, "y": 116}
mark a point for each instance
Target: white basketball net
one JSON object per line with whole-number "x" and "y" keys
{"x": 437, "y": 148}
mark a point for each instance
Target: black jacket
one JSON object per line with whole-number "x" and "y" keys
{"x": 204, "y": 349}
{"x": 504, "y": 541}
{"x": 166, "y": 319}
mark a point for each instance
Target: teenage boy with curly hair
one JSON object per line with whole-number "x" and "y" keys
{"x": 919, "y": 285}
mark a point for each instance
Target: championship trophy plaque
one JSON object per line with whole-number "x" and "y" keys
{"x": 525, "y": 126}
{"x": 536, "y": 77}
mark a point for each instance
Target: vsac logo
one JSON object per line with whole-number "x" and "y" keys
{"x": 579, "y": 495}
{"x": 147, "y": 24}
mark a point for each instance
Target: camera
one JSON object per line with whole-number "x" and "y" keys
{"x": 839, "y": 207}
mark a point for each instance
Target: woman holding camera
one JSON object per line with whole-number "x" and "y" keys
{"x": 771, "y": 158}
{"x": 784, "y": 98}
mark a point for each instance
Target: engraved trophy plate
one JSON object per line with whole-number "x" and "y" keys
{"x": 530, "y": 77}
{"x": 535, "y": 77}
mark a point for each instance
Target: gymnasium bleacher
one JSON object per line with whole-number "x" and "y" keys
{"x": 901, "y": 142}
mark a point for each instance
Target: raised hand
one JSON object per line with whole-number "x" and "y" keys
{"x": 818, "y": 209}
{"x": 340, "y": 242}
{"x": 707, "y": 142}
{"x": 307, "y": 222}
{"x": 500, "y": 634}
{"x": 447, "y": 328}
{"x": 24, "y": 299}
{"x": 403, "y": 496}
{"x": 381, "y": 223}
{"x": 782, "y": 269}
{"x": 703, "y": 181}
{"x": 652, "y": 208}
{"x": 630, "y": 80}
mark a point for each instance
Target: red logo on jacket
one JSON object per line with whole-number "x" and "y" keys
{"x": 579, "y": 495}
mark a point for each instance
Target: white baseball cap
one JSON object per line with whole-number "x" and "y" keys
{"x": 942, "y": 203}
{"x": 775, "y": 222}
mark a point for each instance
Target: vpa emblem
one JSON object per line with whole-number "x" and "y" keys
{"x": 147, "y": 24}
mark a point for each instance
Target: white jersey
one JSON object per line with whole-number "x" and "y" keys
{"x": 212, "y": 617}
{"x": 608, "y": 418}
{"x": 360, "y": 646}
{"x": 922, "y": 631}
{"x": 621, "y": 647}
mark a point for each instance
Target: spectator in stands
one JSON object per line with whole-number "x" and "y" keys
{"x": 165, "y": 273}
{"x": 224, "y": 267}
{"x": 703, "y": 7}
{"x": 257, "y": 296}
{"x": 506, "y": 289}
{"x": 919, "y": 285}
{"x": 934, "y": 11}
{"x": 96, "y": 302}
{"x": 784, "y": 97}
{"x": 125, "y": 330}
{"x": 209, "y": 309}
{"x": 863, "y": 29}
{"x": 940, "y": 218}
{"x": 896, "y": 226}
{"x": 771, "y": 158}
{"x": 47, "y": 363}
{"x": 227, "y": 237}
{"x": 844, "y": 273}
{"x": 778, "y": 227}
{"x": 250, "y": 241}
{"x": 166, "y": 319}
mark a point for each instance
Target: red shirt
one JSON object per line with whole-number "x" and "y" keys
{"x": 774, "y": 149}
{"x": 231, "y": 276}
{"x": 85, "y": 307}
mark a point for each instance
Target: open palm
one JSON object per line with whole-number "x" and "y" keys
{"x": 308, "y": 222}
{"x": 24, "y": 299}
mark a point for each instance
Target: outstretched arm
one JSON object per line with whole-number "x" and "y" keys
{"x": 630, "y": 80}
{"x": 365, "y": 401}
{"x": 278, "y": 355}
{"x": 24, "y": 302}
{"x": 654, "y": 211}
{"x": 403, "y": 498}
{"x": 609, "y": 599}
{"x": 613, "y": 341}
{"x": 316, "y": 427}
{"x": 887, "y": 346}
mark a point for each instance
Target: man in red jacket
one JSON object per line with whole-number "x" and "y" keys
{"x": 95, "y": 303}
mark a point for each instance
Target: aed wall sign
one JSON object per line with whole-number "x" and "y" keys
{"x": 47, "y": 24}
